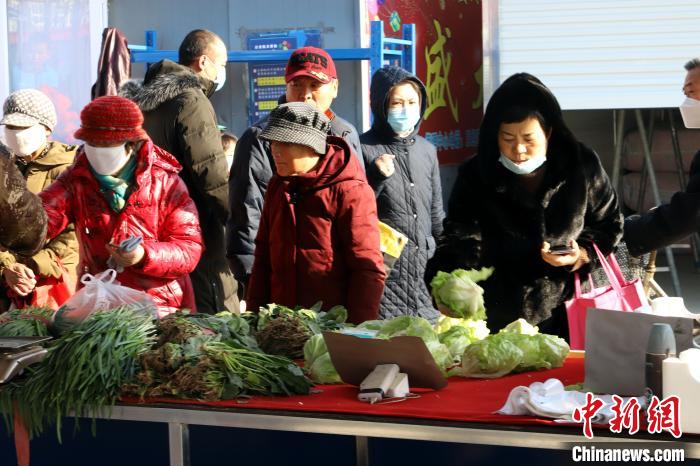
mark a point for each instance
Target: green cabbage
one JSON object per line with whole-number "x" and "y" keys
{"x": 463, "y": 333}
{"x": 489, "y": 358}
{"x": 317, "y": 361}
{"x": 418, "y": 327}
{"x": 522, "y": 327}
{"x": 410, "y": 326}
{"x": 519, "y": 347}
{"x": 459, "y": 292}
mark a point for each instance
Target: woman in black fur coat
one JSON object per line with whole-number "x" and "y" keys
{"x": 531, "y": 204}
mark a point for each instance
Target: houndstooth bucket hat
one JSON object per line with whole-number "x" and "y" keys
{"x": 298, "y": 123}
{"x": 28, "y": 107}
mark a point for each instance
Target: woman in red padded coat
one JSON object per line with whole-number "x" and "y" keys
{"x": 121, "y": 185}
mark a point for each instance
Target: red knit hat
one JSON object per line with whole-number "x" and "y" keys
{"x": 111, "y": 119}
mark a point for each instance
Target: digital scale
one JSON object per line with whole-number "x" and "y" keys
{"x": 16, "y": 353}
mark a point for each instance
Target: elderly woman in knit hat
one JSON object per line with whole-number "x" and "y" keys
{"x": 319, "y": 234}
{"x": 48, "y": 277}
{"x": 122, "y": 186}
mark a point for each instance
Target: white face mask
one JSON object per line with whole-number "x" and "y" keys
{"x": 106, "y": 160}
{"x": 24, "y": 142}
{"x": 220, "y": 78}
{"x": 523, "y": 168}
{"x": 690, "y": 111}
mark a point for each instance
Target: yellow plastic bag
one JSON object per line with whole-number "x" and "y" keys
{"x": 392, "y": 243}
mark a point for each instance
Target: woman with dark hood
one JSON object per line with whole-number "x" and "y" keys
{"x": 402, "y": 168}
{"x": 531, "y": 204}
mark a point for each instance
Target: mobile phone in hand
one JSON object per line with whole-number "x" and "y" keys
{"x": 561, "y": 249}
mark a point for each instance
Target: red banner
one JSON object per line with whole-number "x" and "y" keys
{"x": 449, "y": 61}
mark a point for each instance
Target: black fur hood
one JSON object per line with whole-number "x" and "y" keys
{"x": 164, "y": 81}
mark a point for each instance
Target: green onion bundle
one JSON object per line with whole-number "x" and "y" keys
{"x": 83, "y": 370}
{"x": 28, "y": 322}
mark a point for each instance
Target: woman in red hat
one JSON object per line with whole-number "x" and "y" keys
{"x": 123, "y": 186}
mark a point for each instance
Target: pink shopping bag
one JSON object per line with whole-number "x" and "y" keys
{"x": 619, "y": 295}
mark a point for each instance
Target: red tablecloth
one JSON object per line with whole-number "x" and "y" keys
{"x": 471, "y": 400}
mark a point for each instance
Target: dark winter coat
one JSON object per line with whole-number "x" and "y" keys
{"x": 252, "y": 169}
{"x": 159, "y": 209}
{"x": 23, "y": 225}
{"x": 319, "y": 240}
{"x": 410, "y": 200}
{"x": 61, "y": 253}
{"x": 179, "y": 117}
{"x": 493, "y": 221}
{"x": 668, "y": 223}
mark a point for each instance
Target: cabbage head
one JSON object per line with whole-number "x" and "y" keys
{"x": 459, "y": 292}
{"x": 317, "y": 361}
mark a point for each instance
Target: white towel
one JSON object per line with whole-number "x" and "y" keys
{"x": 549, "y": 399}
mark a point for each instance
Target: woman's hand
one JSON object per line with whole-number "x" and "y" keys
{"x": 576, "y": 258}
{"x": 385, "y": 164}
{"x": 126, "y": 259}
{"x": 19, "y": 278}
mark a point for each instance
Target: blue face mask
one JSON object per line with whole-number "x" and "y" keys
{"x": 524, "y": 168}
{"x": 403, "y": 119}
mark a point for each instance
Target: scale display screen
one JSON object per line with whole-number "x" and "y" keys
{"x": 266, "y": 80}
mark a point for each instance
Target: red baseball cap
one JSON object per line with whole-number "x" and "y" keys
{"x": 312, "y": 62}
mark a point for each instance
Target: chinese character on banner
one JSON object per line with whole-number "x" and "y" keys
{"x": 625, "y": 417}
{"x": 438, "y": 74}
{"x": 664, "y": 415}
{"x": 587, "y": 412}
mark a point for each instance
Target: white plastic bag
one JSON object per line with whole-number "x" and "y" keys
{"x": 101, "y": 292}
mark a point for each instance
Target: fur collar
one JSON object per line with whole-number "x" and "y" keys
{"x": 167, "y": 81}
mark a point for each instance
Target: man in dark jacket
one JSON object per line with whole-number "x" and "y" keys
{"x": 669, "y": 223}
{"x": 180, "y": 118}
{"x": 23, "y": 225}
{"x": 403, "y": 169}
{"x": 311, "y": 77}
{"x": 319, "y": 234}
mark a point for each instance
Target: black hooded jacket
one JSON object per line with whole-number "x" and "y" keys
{"x": 410, "y": 200}
{"x": 493, "y": 221}
{"x": 251, "y": 171}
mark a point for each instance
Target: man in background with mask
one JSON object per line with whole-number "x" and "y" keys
{"x": 29, "y": 118}
{"x": 311, "y": 77}
{"x": 669, "y": 223}
{"x": 179, "y": 118}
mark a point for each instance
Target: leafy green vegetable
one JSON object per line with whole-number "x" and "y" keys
{"x": 519, "y": 347}
{"x": 410, "y": 326}
{"x": 315, "y": 319}
{"x": 459, "y": 292}
{"x": 462, "y": 334}
{"x": 83, "y": 370}
{"x": 520, "y": 326}
{"x": 212, "y": 357}
{"x": 418, "y": 327}
{"x": 317, "y": 361}
{"x": 489, "y": 358}
{"x": 28, "y": 322}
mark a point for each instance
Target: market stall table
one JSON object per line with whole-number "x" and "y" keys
{"x": 463, "y": 412}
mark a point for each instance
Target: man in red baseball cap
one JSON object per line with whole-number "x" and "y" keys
{"x": 311, "y": 77}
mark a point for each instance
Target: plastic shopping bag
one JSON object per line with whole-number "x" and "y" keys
{"x": 101, "y": 293}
